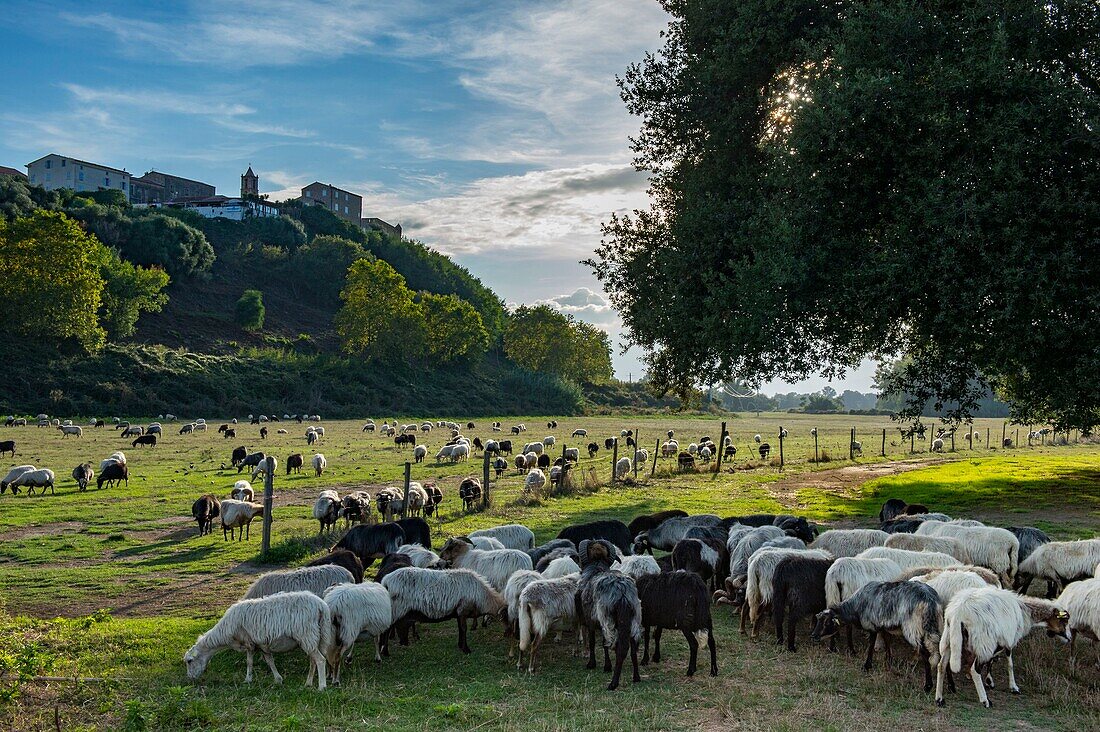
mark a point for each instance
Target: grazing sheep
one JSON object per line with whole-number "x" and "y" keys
{"x": 238, "y": 457}
{"x": 534, "y": 481}
{"x": 314, "y": 579}
{"x": 759, "y": 584}
{"x": 419, "y": 556}
{"x": 319, "y": 464}
{"x": 252, "y": 460}
{"x": 748, "y": 545}
{"x": 150, "y": 440}
{"x": 1062, "y": 562}
{"x": 360, "y": 609}
{"x": 580, "y": 433}
{"x": 848, "y": 575}
{"x": 341, "y": 558}
{"x": 1082, "y": 601}
{"x": 356, "y": 508}
{"x": 187, "y": 429}
{"x": 764, "y": 449}
{"x": 1030, "y": 539}
{"x": 987, "y": 575}
{"x": 850, "y": 542}
{"x": 669, "y": 530}
{"x": 469, "y": 492}
{"x": 544, "y": 605}
{"x": 908, "y": 559}
{"x": 486, "y": 542}
{"x": 420, "y": 452}
{"x": 262, "y": 468}
{"x": 517, "y": 583}
{"x": 677, "y": 600}
{"x": 612, "y": 531}
{"x": 512, "y": 536}
{"x": 238, "y": 515}
{"x": 983, "y": 622}
{"x": 435, "y": 497}
{"x": 434, "y": 596}
{"x": 71, "y": 429}
{"x": 205, "y": 510}
{"x": 41, "y": 478}
{"x": 391, "y": 563}
{"x": 7, "y": 446}
{"x": 389, "y": 502}
{"x": 910, "y": 609}
{"x": 636, "y": 566}
{"x": 699, "y": 556}
{"x": 111, "y": 472}
{"x": 83, "y": 475}
{"x": 416, "y": 498}
{"x": 949, "y": 582}
{"x": 622, "y": 468}
{"x": 798, "y": 591}
{"x": 269, "y": 625}
{"x": 919, "y": 543}
{"x": 986, "y": 546}
{"x": 608, "y": 600}
{"x": 496, "y": 566}
{"x": 242, "y": 491}
{"x": 326, "y": 509}
{"x": 294, "y": 463}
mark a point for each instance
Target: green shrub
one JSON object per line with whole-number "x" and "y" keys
{"x": 250, "y": 310}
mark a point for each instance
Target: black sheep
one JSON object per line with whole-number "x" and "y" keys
{"x": 205, "y": 510}
{"x": 891, "y": 509}
{"x": 539, "y": 552}
{"x": 294, "y": 462}
{"x": 602, "y": 593}
{"x": 676, "y": 600}
{"x": 609, "y": 443}
{"x": 416, "y": 531}
{"x": 435, "y": 497}
{"x": 765, "y": 450}
{"x": 798, "y": 591}
{"x": 477, "y": 444}
{"x": 613, "y": 531}
{"x": 392, "y": 563}
{"x": 701, "y": 556}
{"x": 651, "y": 521}
{"x": 7, "y": 446}
{"x": 544, "y": 560}
{"x": 113, "y": 473}
{"x": 543, "y": 461}
{"x": 229, "y": 434}
{"x": 798, "y": 527}
{"x": 239, "y": 454}
{"x": 150, "y": 440}
{"x": 372, "y": 542}
{"x": 251, "y": 461}
{"x": 504, "y": 447}
{"x": 593, "y": 448}
{"x": 341, "y": 558}
{"x": 901, "y": 525}
{"x": 755, "y": 520}
{"x": 469, "y": 491}
{"x": 500, "y": 465}
{"x": 915, "y": 509}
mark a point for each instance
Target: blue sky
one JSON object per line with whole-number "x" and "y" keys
{"x": 492, "y": 131}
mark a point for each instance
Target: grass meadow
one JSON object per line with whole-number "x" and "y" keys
{"x": 112, "y": 586}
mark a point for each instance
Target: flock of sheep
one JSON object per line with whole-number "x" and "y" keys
{"x": 952, "y": 589}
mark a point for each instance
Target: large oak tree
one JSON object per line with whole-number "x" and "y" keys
{"x": 833, "y": 180}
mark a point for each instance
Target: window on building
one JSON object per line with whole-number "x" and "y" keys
{"x": 81, "y": 174}
{"x": 49, "y": 164}
{"x": 47, "y": 176}
{"x": 62, "y": 162}
{"x": 309, "y": 194}
{"x": 324, "y": 193}
{"x": 345, "y": 209}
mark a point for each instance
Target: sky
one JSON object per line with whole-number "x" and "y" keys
{"x": 490, "y": 130}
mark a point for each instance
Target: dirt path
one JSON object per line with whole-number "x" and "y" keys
{"x": 844, "y": 481}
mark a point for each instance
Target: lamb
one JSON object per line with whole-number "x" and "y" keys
{"x": 512, "y": 536}
{"x": 622, "y": 467}
{"x": 637, "y": 566}
{"x": 670, "y": 530}
{"x": 495, "y": 566}
{"x": 238, "y": 515}
{"x": 314, "y": 579}
{"x": 12, "y": 475}
{"x": 921, "y": 543}
{"x": 986, "y": 546}
{"x": 319, "y": 464}
{"x": 433, "y": 596}
{"x": 112, "y": 472}
{"x": 534, "y": 481}
{"x": 486, "y": 543}
{"x": 419, "y": 556}
{"x": 848, "y": 575}
{"x": 326, "y": 509}
{"x": 910, "y": 608}
{"x": 610, "y": 601}
{"x": 469, "y": 492}
{"x": 1062, "y": 562}
{"x": 357, "y": 610}
{"x": 798, "y": 583}
{"x": 242, "y": 491}
{"x": 652, "y": 521}
{"x": 544, "y": 605}
{"x": 83, "y": 475}
{"x": 677, "y": 600}
{"x": 341, "y": 558}
{"x": 270, "y": 625}
{"x": 41, "y": 478}
{"x": 1082, "y": 601}
{"x": 205, "y": 510}
{"x": 983, "y": 622}
{"x": 849, "y": 542}
{"x": 613, "y": 531}
{"x": 907, "y": 559}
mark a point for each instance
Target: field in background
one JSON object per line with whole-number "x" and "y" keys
{"x": 135, "y": 550}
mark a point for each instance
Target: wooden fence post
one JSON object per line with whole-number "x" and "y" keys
{"x": 564, "y": 463}
{"x": 852, "y": 445}
{"x": 817, "y": 458}
{"x": 269, "y": 500}
{"x": 1016, "y": 439}
{"x": 614, "y": 459}
{"x": 1030, "y": 429}
{"x": 485, "y": 481}
{"x": 656, "y": 449}
{"x": 1004, "y": 428}
{"x": 781, "y": 447}
{"x": 986, "y": 438}
{"x": 405, "y": 500}
{"x": 884, "y": 442}
{"x": 721, "y": 447}
{"x": 952, "y": 440}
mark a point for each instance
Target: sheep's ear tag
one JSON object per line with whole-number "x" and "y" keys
{"x": 1062, "y": 615}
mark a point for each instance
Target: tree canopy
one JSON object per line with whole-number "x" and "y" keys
{"x": 837, "y": 180}
{"x": 379, "y": 318}
{"x": 541, "y": 338}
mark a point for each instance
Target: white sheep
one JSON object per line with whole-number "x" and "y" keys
{"x": 919, "y": 543}
{"x": 362, "y": 609}
{"x": 487, "y": 543}
{"x": 42, "y": 478}
{"x": 987, "y": 546}
{"x": 849, "y": 542}
{"x": 985, "y": 622}
{"x": 937, "y": 445}
{"x": 239, "y": 515}
{"x": 640, "y": 458}
{"x": 269, "y": 625}
{"x": 444, "y": 452}
{"x": 748, "y": 544}
{"x": 71, "y": 429}
{"x": 460, "y": 452}
{"x": 242, "y": 491}
{"x": 622, "y": 467}
{"x": 573, "y": 453}
{"x": 326, "y": 509}
{"x": 1062, "y": 562}
{"x": 950, "y": 582}
{"x": 512, "y": 536}
{"x": 543, "y": 606}
{"x": 418, "y": 555}
{"x": 319, "y": 464}
{"x": 432, "y": 595}
{"x": 848, "y": 574}
{"x": 302, "y": 579}
{"x": 563, "y": 566}
{"x": 15, "y": 473}
{"x": 535, "y": 480}
{"x": 634, "y": 565}
{"x": 548, "y": 441}
{"x": 261, "y": 467}
{"x": 907, "y": 559}
{"x": 1082, "y": 601}
{"x": 496, "y": 566}
{"x": 515, "y": 585}
{"x": 420, "y": 452}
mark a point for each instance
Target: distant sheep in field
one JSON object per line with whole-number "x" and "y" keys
{"x": 83, "y": 475}
{"x": 469, "y": 492}
{"x": 242, "y": 491}
{"x": 269, "y": 625}
{"x": 326, "y": 510}
{"x": 237, "y": 517}
{"x": 71, "y": 429}
{"x": 205, "y": 510}
{"x": 534, "y": 481}
{"x": 319, "y": 464}
{"x": 112, "y": 472}
{"x": 294, "y": 463}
